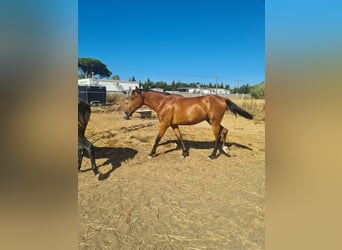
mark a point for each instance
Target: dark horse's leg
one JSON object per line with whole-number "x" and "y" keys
{"x": 80, "y": 155}
{"x": 160, "y": 134}
{"x": 180, "y": 139}
{"x": 83, "y": 143}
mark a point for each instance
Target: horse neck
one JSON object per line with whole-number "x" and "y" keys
{"x": 153, "y": 99}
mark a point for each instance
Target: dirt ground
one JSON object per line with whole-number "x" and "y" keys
{"x": 169, "y": 202}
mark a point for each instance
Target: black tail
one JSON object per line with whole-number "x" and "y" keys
{"x": 237, "y": 110}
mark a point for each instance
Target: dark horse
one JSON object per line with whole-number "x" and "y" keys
{"x": 174, "y": 110}
{"x": 83, "y": 143}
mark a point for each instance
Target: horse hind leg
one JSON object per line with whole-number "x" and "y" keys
{"x": 180, "y": 139}
{"x": 218, "y": 140}
{"x": 224, "y": 133}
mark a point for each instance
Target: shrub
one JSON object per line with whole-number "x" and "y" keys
{"x": 258, "y": 91}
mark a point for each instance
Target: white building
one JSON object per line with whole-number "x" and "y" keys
{"x": 111, "y": 85}
{"x": 205, "y": 91}
{"x": 215, "y": 91}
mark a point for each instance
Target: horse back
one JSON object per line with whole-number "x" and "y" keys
{"x": 207, "y": 102}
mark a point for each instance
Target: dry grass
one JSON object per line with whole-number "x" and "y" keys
{"x": 254, "y": 106}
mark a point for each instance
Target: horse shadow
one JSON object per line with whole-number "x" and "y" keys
{"x": 202, "y": 145}
{"x": 115, "y": 156}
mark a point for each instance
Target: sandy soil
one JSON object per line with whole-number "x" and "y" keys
{"x": 169, "y": 202}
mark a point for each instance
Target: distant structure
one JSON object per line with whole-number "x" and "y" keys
{"x": 112, "y": 86}
{"x": 205, "y": 91}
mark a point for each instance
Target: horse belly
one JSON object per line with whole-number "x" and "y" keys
{"x": 189, "y": 116}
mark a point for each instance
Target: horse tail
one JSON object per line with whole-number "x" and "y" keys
{"x": 237, "y": 110}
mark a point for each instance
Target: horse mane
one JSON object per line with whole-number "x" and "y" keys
{"x": 150, "y": 90}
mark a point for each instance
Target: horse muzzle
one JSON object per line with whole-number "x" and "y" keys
{"x": 128, "y": 114}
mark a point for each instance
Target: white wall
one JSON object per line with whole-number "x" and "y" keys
{"x": 111, "y": 85}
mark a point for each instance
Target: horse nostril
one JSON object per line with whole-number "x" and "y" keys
{"x": 126, "y": 115}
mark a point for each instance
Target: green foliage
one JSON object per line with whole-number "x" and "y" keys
{"x": 116, "y": 77}
{"x": 89, "y": 65}
{"x": 244, "y": 89}
{"x": 132, "y": 79}
{"x": 148, "y": 84}
{"x": 258, "y": 91}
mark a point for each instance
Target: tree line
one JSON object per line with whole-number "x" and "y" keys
{"x": 175, "y": 85}
{"x": 88, "y": 67}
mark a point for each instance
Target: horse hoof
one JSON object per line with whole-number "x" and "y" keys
{"x": 150, "y": 157}
{"x": 100, "y": 176}
{"x": 225, "y": 149}
{"x": 211, "y": 157}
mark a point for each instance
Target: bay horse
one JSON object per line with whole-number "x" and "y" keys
{"x": 83, "y": 143}
{"x": 175, "y": 110}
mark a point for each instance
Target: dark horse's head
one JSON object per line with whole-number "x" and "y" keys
{"x": 134, "y": 102}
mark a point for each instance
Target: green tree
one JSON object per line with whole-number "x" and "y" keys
{"x": 148, "y": 84}
{"x": 161, "y": 85}
{"x": 92, "y": 65}
{"x": 116, "y": 77}
{"x": 244, "y": 89}
{"x": 173, "y": 85}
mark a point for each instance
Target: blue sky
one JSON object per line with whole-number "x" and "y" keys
{"x": 181, "y": 40}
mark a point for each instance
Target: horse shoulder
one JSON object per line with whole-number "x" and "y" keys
{"x": 166, "y": 109}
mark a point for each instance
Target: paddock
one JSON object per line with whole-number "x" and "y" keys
{"x": 170, "y": 202}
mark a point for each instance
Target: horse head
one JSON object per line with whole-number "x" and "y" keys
{"x": 135, "y": 101}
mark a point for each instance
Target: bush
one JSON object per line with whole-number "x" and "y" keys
{"x": 114, "y": 98}
{"x": 258, "y": 91}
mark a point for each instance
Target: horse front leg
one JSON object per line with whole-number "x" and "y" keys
{"x": 160, "y": 134}
{"x": 80, "y": 155}
{"x": 180, "y": 139}
{"x": 89, "y": 147}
